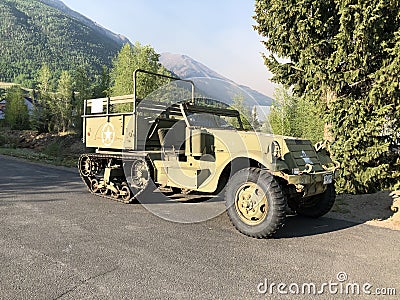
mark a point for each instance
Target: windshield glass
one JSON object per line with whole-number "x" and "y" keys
{"x": 211, "y": 121}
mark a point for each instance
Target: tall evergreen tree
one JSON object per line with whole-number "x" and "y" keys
{"x": 343, "y": 56}
{"x": 102, "y": 83}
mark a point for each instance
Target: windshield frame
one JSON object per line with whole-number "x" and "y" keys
{"x": 190, "y": 109}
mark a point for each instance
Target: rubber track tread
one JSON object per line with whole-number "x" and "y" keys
{"x": 87, "y": 180}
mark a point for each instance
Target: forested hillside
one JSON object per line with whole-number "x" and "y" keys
{"x": 33, "y": 33}
{"x": 61, "y": 58}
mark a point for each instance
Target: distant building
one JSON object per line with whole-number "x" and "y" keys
{"x": 28, "y": 102}
{"x": 2, "y": 108}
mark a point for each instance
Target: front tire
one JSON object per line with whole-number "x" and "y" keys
{"x": 319, "y": 205}
{"x": 255, "y": 202}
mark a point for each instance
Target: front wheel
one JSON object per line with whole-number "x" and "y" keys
{"x": 255, "y": 202}
{"x": 319, "y": 205}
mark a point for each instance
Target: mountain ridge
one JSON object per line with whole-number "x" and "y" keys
{"x": 119, "y": 38}
{"x": 34, "y": 32}
{"x": 186, "y": 67}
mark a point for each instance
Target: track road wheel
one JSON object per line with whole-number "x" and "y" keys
{"x": 125, "y": 193}
{"x": 140, "y": 174}
{"x": 88, "y": 166}
{"x": 115, "y": 193}
{"x": 138, "y": 177}
{"x": 102, "y": 188}
{"x": 255, "y": 202}
{"x": 319, "y": 205}
{"x": 94, "y": 185}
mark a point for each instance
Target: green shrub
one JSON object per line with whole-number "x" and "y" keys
{"x": 7, "y": 140}
{"x": 54, "y": 149}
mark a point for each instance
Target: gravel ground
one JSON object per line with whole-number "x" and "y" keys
{"x": 379, "y": 209}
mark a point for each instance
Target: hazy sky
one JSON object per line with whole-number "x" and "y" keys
{"x": 217, "y": 33}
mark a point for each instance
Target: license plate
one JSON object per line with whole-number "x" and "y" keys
{"x": 328, "y": 178}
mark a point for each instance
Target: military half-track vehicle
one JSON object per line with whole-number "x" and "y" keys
{"x": 200, "y": 146}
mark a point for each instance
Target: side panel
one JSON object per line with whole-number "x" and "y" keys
{"x": 208, "y": 153}
{"x": 109, "y": 132}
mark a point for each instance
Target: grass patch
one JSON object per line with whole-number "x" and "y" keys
{"x": 32, "y": 155}
{"x": 54, "y": 149}
{"x": 8, "y": 140}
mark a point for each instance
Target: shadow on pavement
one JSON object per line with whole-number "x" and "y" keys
{"x": 298, "y": 226}
{"x": 295, "y": 226}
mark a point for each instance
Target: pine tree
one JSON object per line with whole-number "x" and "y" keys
{"x": 102, "y": 85}
{"x": 343, "y": 57}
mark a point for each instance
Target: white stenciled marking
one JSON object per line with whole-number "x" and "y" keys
{"x": 306, "y": 159}
{"x": 108, "y": 134}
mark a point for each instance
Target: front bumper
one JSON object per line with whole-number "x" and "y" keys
{"x": 324, "y": 177}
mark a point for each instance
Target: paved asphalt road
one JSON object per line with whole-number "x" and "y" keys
{"x": 59, "y": 242}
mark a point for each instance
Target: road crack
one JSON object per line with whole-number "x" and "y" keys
{"x": 85, "y": 281}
